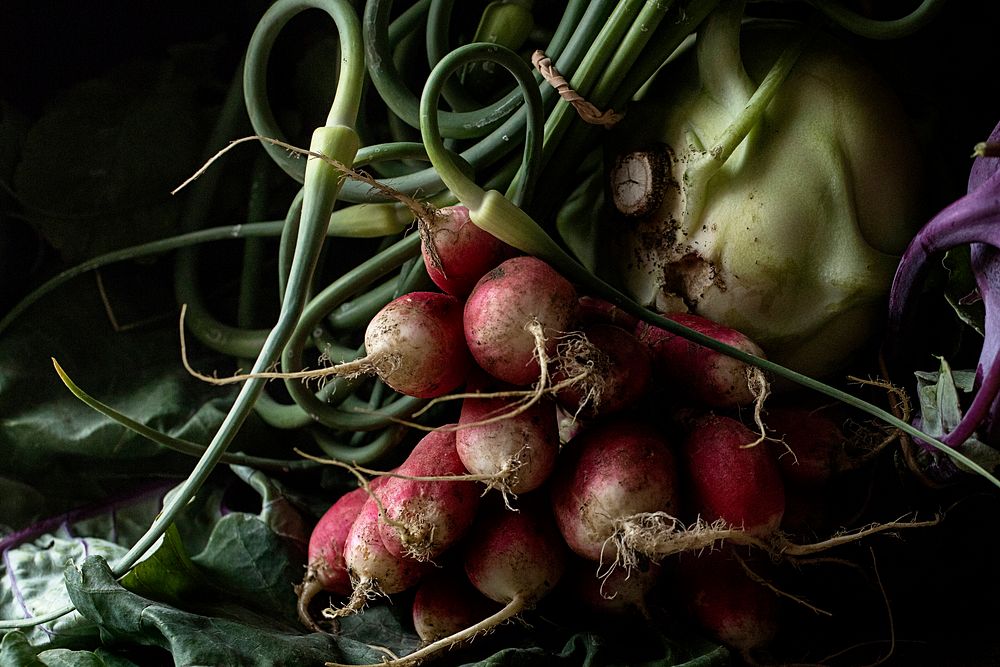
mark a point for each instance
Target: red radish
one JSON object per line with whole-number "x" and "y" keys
{"x": 617, "y": 367}
{"x": 730, "y": 477}
{"x": 732, "y": 607}
{"x": 326, "y": 570}
{"x": 517, "y": 446}
{"x": 519, "y": 293}
{"x": 424, "y": 518}
{"x": 812, "y": 442}
{"x": 593, "y": 309}
{"x": 515, "y": 558}
{"x": 809, "y": 510}
{"x": 621, "y": 591}
{"x": 446, "y": 603}
{"x": 417, "y": 346}
{"x": 456, "y": 252}
{"x": 373, "y": 568}
{"x": 696, "y": 373}
{"x": 618, "y": 468}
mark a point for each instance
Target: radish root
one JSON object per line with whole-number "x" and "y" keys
{"x": 305, "y": 592}
{"x": 761, "y": 389}
{"x": 364, "y": 590}
{"x": 503, "y": 481}
{"x": 657, "y": 535}
{"x": 584, "y": 364}
{"x": 512, "y": 609}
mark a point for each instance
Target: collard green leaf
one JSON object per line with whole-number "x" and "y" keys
{"x": 167, "y": 573}
{"x": 16, "y": 651}
{"x": 277, "y": 510}
{"x": 248, "y": 560}
{"x": 382, "y": 625}
{"x": 67, "y": 452}
{"x": 64, "y": 657}
{"x": 97, "y": 168}
{"x": 33, "y": 584}
{"x": 257, "y": 558}
{"x": 191, "y": 639}
{"x": 20, "y": 502}
{"x": 640, "y": 647}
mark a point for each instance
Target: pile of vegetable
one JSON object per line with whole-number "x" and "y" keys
{"x": 534, "y": 333}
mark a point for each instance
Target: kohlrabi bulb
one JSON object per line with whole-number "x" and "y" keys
{"x": 790, "y": 191}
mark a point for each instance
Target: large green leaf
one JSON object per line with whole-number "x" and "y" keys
{"x": 33, "y": 584}
{"x": 191, "y": 639}
{"x": 16, "y": 651}
{"x": 63, "y": 449}
{"x": 167, "y": 573}
{"x": 587, "y": 649}
{"x": 248, "y": 560}
{"x": 97, "y": 168}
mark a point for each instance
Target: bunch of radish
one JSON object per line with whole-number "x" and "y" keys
{"x": 592, "y": 456}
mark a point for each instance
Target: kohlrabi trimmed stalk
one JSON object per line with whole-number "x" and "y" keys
{"x": 778, "y": 208}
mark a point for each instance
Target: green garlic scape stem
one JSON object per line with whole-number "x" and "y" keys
{"x": 179, "y": 444}
{"x": 402, "y": 101}
{"x": 466, "y": 190}
{"x": 877, "y": 28}
{"x": 322, "y": 183}
{"x": 641, "y": 30}
{"x": 586, "y": 75}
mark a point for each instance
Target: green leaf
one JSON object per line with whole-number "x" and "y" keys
{"x": 960, "y": 289}
{"x": 67, "y": 452}
{"x": 941, "y": 411}
{"x": 167, "y": 574}
{"x": 20, "y": 502}
{"x": 382, "y": 625}
{"x": 97, "y": 168}
{"x": 940, "y": 406}
{"x": 16, "y": 651}
{"x": 640, "y": 646}
{"x": 191, "y": 639}
{"x": 258, "y": 558}
{"x": 64, "y": 657}
{"x": 33, "y": 584}
{"x": 245, "y": 558}
{"x": 277, "y": 511}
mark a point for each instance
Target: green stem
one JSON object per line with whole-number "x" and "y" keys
{"x": 178, "y": 444}
{"x": 463, "y": 187}
{"x": 403, "y": 102}
{"x": 347, "y": 101}
{"x": 244, "y": 231}
{"x": 875, "y": 28}
{"x": 640, "y": 31}
{"x": 322, "y": 186}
